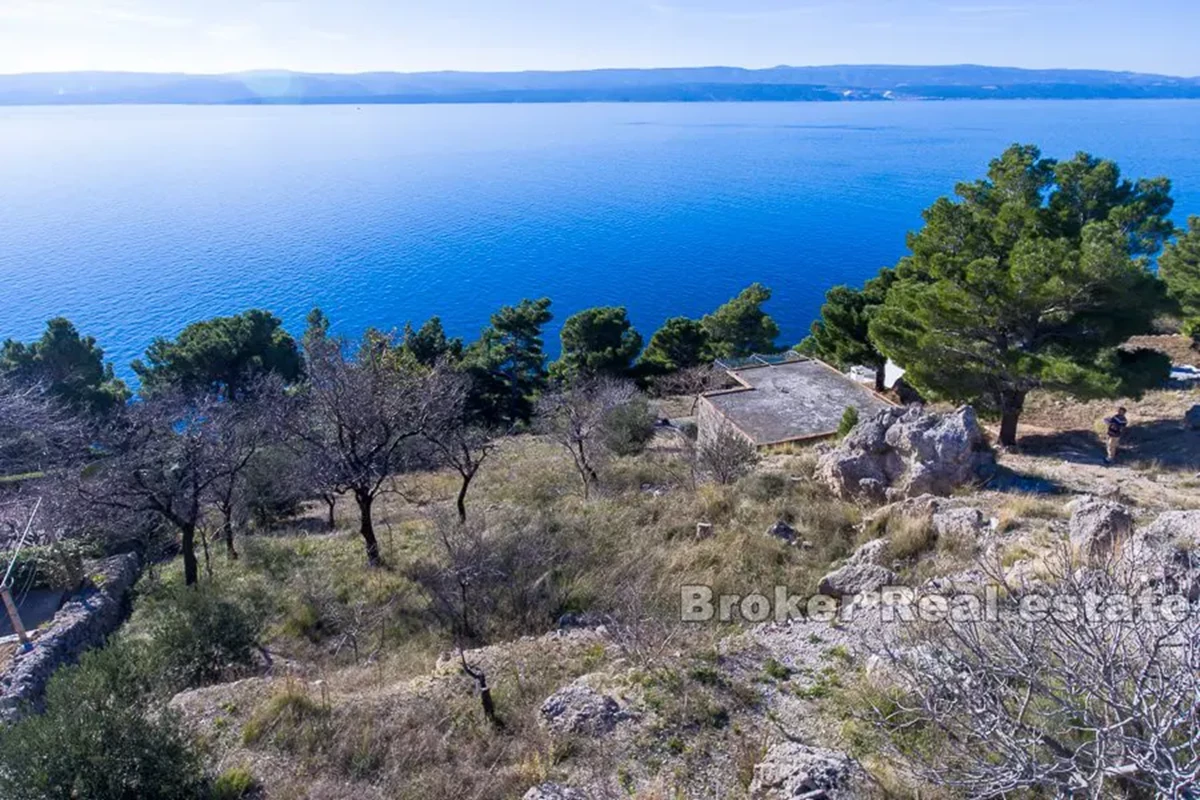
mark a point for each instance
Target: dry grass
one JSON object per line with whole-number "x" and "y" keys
{"x": 1017, "y": 509}
{"x": 909, "y": 536}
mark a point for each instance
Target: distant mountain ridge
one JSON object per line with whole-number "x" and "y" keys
{"x": 688, "y": 84}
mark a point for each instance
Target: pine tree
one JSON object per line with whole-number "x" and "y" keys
{"x": 841, "y": 336}
{"x": 597, "y": 342}
{"x": 1179, "y": 266}
{"x": 740, "y": 327}
{"x": 1031, "y": 279}
{"x": 681, "y": 343}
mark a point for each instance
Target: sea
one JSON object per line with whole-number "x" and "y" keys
{"x": 133, "y": 221}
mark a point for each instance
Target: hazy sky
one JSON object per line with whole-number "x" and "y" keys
{"x": 407, "y": 35}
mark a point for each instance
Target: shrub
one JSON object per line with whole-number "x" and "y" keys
{"x": 290, "y": 720}
{"x": 726, "y": 455}
{"x": 849, "y": 420}
{"x": 196, "y": 636}
{"x": 233, "y": 784}
{"x": 100, "y": 739}
{"x": 628, "y": 428}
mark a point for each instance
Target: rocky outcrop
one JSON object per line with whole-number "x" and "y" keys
{"x": 960, "y": 523}
{"x": 901, "y": 453}
{"x": 1099, "y": 527}
{"x": 553, "y": 791}
{"x": 1168, "y": 553}
{"x": 84, "y": 621}
{"x": 791, "y": 770}
{"x": 855, "y": 579}
{"x": 872, "y": 552}
{"x": 580, "y": 709}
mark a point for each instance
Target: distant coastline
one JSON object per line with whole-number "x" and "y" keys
{"x": 869, "y": 83}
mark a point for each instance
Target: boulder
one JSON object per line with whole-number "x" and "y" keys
{"x": 580, "y": 709}
{"x": 1192, "y": 418}
{"x": 905, "y": 452}
{"x": 791, "y": 770}
{"x": 961, "y": 523}
{"x": 871, "y": 552}
{"x": 1168, "y": 549}
{"x": 855, "y": 579}
{"x": 782, "y": 531}
{"x": 553, "y": 791}
{"x": 1174, "y": 527}
{"x": 1099, "y": 527}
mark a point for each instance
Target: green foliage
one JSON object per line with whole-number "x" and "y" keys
{"x": 840, "y": 337}
{"x": 71, "y": 366}
{"x": 100, "y": 738}
{"x": 681, "y": 343}
{"x": 233, "y": 784}
{"x": 197, "y": 636}
{"x": 776, "y": 670}
{"x": 222, "y": 355}
{"x": 1179, "y": 266}
{"x": 849, "y": 420}
{"x": 271, "y": 488}
{"x": 428, "y": 344}
{"x": 597, "y": 341}
{"x": 628, "y": 428}
{"x": 507, "y": 364}
{"x": 741, "y": 327}
{"x": 1029, "y": 280}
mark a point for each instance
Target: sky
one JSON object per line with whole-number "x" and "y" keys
{"x": 211, "y": 36}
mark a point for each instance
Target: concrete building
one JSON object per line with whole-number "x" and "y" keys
{"x": 781, "y": 400}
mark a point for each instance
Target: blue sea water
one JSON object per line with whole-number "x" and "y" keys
{"x": 134, "y": 221}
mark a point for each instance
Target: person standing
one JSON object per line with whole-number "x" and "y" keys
{"x": 1116, "y": 428}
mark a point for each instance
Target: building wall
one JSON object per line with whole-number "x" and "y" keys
{"x": 709, "y": 422}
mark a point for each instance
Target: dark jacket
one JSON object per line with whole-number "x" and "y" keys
{"x": 1116, "y": 425}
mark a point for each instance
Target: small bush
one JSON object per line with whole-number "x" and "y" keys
{"x": 849, "y": 420}
{"x": 197, "y": 636}
{"x": 233, "y": 784}
{"x": 100, "y": 738}
{"x": 628, "y": 428}
{"x": 776, "y": 670}
{"x": 290, "y": 720}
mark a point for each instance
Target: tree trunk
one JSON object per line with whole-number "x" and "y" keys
{"x": 881, "y": 378}
{"x": 1011, "y": 405}
{"x": 485, "y": 691}
{"x": 367, "y": 527}
{"x": 461, "y": 501}
{"x": 191, "y": 567}
{"x": 331, "y": 502}
{"x": 227, "y": 516}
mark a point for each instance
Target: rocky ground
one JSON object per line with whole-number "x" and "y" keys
{"x": 735, "y": 710}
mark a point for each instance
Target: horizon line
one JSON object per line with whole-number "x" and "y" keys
{"x": 289, "y": 71}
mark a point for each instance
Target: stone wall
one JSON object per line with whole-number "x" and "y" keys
{"x": 84, "y": 622}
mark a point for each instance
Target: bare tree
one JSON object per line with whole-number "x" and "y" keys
{"x": 1075, "y": 689}
{"x": 166, "y": 455}
{"x": 359, "y": 416}
{"x": 464, "y": 447}
{"x": 489, "y": 582}
{"x": 725, "y": 454}
{"x": 37, "y": 433}
{"x": 691, "y": 382}
{"x": 247, "y": 431}
{"x": 575, "y": 417}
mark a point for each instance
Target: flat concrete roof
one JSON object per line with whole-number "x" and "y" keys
{"x": 793, "y": 400}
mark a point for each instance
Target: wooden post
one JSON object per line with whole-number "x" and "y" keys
{"x": 15, "y": 617}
